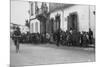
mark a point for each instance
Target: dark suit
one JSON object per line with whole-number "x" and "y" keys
{"x": 58, "y": 38}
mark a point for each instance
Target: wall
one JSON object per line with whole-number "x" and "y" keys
{"x": 86, "y": 18}
{"x": 52, "y": 15}
{"x": 35, "y": 26}
{"x": 93, "y": 19}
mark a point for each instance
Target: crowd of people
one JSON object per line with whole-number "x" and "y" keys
{"x": 68, "y": 38}
{"x": 74, "y": 38}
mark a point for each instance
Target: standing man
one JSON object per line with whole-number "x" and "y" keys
{"x": 90, "y": 36}
{"x": 70, "y": 37}
{"x": 58, "y": 37}
{"x": 16, "y": 36}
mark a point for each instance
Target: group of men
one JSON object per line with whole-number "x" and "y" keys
{"x": 74, "y": 38}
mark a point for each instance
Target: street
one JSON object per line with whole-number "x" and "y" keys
{"x": 30, "y": 54}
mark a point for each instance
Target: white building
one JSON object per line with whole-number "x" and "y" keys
{"x": 35, "y": 26}
{"x": 34, "y": 22}
{"x": 85, "y": 17}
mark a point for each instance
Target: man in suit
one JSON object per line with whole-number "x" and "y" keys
{"x": 58, "y": 37}
{"x": 90, "y": 36}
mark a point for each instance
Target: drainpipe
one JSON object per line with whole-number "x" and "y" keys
{"x": 89, "y": 17}
{"x": 62, "y": 19}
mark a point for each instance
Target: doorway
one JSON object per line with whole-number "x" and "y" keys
{"x": 73, "y": 21}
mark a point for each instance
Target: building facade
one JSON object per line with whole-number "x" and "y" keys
{"x": 37, "y": 17}
{"x": 61, "y": 16}
{"x": 78, "y": 17}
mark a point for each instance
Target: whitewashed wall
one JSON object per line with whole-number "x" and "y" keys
{"x": 84, "y": 17}
{"x": 33, "y": 26}
{"x": 52, "y": 15}
{"x": 92, "y": 19}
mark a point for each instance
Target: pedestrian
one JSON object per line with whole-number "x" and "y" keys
{"x": 85, "y": 39}
{"x": 17, "y": 35}
{"x": 69, "y": 39}
{"x": 58, "y": 38}
{"x": 74, "y": 38}
{"x": 90, "y": 36}
{"x": 81, "y": 38}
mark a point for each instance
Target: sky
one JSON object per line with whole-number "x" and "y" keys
{"x": 19, "y": 12}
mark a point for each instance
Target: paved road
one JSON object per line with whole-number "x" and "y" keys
{"x": 49, "y": 54}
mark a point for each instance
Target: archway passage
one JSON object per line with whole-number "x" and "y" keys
{"x": 73, "y": 21}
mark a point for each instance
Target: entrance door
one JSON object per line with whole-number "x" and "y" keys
{"x": 57, "y": 21}
{"x": 73, "y": 21}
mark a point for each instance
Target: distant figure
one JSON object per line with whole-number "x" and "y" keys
{"x": 58, "y": 38}
{"x": 90, "y": 36}
{"x": 16, "y": 36}
{"x": 70, "y": 30}
{"x": 84, "y": 39}
{"x": 48, "y": 36}
{"x": 70, "y": 37}
{"x": 81, "y": 39}
{"x": 74, "y": 38}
